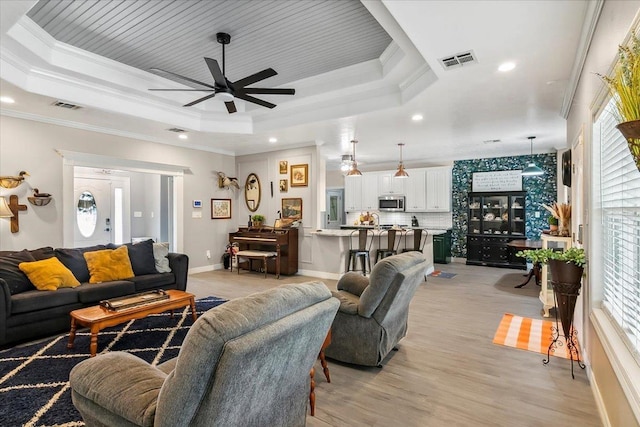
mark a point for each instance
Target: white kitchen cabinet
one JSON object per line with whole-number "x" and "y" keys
{"x": 370, "y": 192}
{"x": 361, "y": 193}
{"x": 388, "y": 184}
{"x": 415, "y": 187}
{"x": 352, "y": 194}
{"x": 438, "y": 182}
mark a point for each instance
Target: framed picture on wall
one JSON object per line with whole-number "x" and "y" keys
{"x": 284, "y": 185}
{"x": 284, "y": 166}
{"x": 220, "y": 208}
{"x": 299, "y": 175}
{"x": 292, "y": 208}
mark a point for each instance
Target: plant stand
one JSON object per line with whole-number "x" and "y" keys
{"x": 565, "y": 295}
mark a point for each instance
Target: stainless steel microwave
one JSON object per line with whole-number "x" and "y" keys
{"x": 391, "y": 203}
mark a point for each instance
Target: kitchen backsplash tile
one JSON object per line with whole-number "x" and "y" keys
{"x": 441, "y": 221}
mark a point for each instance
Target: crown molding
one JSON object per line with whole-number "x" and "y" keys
{"x": 588, "y": 28}
{"x": 109, "y": 131}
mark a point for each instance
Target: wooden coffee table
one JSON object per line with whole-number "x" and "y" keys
{"x": 97, "y": 318}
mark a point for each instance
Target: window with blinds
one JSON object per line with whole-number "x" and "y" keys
{"x": 620, "y": 202}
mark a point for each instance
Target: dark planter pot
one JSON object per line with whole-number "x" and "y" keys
{"x": 566, "y": 281}
{"x": 565, "y": 272}
{"x": 631, "y": 132}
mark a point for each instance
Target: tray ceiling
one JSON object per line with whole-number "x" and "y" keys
{"x": 298, "y": 39}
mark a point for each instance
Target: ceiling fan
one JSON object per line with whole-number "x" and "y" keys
{"x": 226, "y": 89}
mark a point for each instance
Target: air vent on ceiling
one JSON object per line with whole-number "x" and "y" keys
{"x": 66, "y": 105}
{"x": 176, "y": 130}
{"x": 458, "y": 60}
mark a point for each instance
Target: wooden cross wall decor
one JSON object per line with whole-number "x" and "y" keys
{"x": 15, "y": 208}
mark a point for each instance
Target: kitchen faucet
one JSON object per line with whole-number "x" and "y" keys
{"x": 376, "y": 223}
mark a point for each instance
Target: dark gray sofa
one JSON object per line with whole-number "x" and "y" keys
{"x": 27, "y": 313}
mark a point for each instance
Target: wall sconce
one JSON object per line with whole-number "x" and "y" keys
{"x": 10, "y": 210}
{"x": 5, "y": 212}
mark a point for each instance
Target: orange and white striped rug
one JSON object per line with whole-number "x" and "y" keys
{"x": 530, "y": 334}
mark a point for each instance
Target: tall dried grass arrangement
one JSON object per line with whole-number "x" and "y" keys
{"x": 560, "y": 211}
{"x": 624, "y": 83}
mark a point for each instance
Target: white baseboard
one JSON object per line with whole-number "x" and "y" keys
{"x": 205, "y": 268}
{"x": 320, "y": 274}
{"x": 602, "y": 410}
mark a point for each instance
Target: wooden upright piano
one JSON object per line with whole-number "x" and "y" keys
{"x": 284, "y": 241}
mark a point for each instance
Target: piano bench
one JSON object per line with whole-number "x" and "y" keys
{"x": 259, "y": 255}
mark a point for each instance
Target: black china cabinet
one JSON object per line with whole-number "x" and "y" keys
{"x": 494, "y": 219}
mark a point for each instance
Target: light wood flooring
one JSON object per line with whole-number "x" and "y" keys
{"x": 447, "y": 371}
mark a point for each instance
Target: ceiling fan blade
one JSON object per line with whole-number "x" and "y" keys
{"x": 183, "y": 77}
{"x": 261, "y": 75}
{"x": 254, "y": 100}
{"x": 184, "y": 90}
{"x": 265, "y": 91}
{"x": 214, "y": 69}
{"x": 197, "y": 101}
{"x": 231, "y": 107}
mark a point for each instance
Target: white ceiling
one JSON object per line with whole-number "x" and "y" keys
{"x": 360, "y": 70}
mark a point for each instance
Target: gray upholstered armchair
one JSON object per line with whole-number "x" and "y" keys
{"x": 244, "y": 363}
{"x": 373, "y": 312}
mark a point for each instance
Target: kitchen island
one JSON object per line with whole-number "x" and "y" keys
{"x": 331, "y": 246}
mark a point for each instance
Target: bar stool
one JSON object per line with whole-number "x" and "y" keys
{"x": 419, "y": 240}
{"x": 365, "y": 239}
{"x": 393, "y": 242}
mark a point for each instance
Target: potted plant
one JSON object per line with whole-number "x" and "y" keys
{"x": 553, "y": 224}
{"x": 566, "y": 266}
{"x": 257, "y": 220}
{"x": 566, "y": 272}
{"x": 624, "y": 86}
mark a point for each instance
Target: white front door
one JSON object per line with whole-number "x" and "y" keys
{"x": 93, "y": 218}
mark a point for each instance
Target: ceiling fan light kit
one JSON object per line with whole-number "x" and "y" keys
{"x": 532, "y": 169}
{"x": 401, "y": 173}
{"x": 347, "y": 163}
{"x": 227, "y": 90}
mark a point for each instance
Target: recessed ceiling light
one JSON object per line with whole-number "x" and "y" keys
{"x": 416, "y": 117}
{"x": 273, "y": 140}
{"x": 183, "y": 136}
{"x": 507, "y": 66}
{"x": 7, "y": 100}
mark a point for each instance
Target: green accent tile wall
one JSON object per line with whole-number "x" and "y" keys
{"x": 540, "y": 190}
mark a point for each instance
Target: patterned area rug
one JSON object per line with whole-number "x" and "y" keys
{"x": 531, "y": 334}
{"x": 34, "y": 378}
{"x": 442, "y": 274}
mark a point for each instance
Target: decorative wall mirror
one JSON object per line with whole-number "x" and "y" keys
{"x": 252, "y": 192}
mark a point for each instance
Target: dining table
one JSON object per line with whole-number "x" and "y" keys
{"x": 522, "y": 244}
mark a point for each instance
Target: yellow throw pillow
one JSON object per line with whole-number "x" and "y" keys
{"x": 109, "y": 264}
{"x": 49, "y": 274}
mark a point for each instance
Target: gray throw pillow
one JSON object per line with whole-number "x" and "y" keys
{"x": 160, "y": 252}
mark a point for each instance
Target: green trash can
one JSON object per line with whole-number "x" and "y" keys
{"x": 442, "y": 248}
